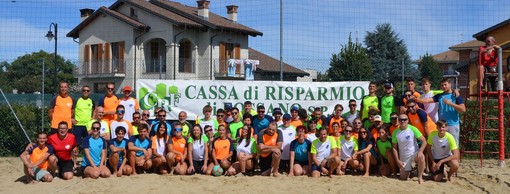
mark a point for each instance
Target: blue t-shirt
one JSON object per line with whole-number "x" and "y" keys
{"x": 301, "y": 150}
{"x": 145, "y": 144}
{"x": 155, "y": 126}
{"x": 96, "y": 147}
{"x": 121, "y": 144}
{"x": 364, "y": 144}
{"x": 261, "y": 124}
{"x": 447, "y": 112}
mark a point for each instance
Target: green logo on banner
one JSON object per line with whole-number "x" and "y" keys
{"x": 164, "y": 96}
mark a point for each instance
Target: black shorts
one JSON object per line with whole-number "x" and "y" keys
{"x": 265, "y": 163}
{"x": 79, "y": 133}
{"x": 65, "y": 166}
{"x": 441, "y": 168}
{"x": 284, "y": 165}
{"x": 302, "y": 163}
{"x": 198, "y": 166}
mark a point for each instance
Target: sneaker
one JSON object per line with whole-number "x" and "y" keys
{"x": 239, "y": 174}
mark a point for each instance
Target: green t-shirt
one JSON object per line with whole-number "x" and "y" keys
{"x": 367, "y": 102}
{"x": 383, "y": 147}
{"x": 233, "y": 129}
{"x": 83, "y": 111}
{"x": 387, "y": 107}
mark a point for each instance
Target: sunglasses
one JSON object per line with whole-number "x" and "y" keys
{"x": 136, "y": 117}
{"x": 410, "y": 106}
{"x": 95, "y": 128}
{"x": 110, "y": 88}
{"x": 261, "y": 111}
{"x": 394, "y": 118}
{"x": 348, "y": 131}
{"x": 121, "y": 112}
{"x": 220, "y": 115}
{"x": 85, "y": 90}
{"x": 207, "y": 131}
{"x": 402, "y": 120}
{"x": 352, "y": 105}
{"x": 145, "y": 115}
{"x": 161, "y": 115}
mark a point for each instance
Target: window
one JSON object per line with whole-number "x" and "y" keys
{"x": 96, "y": 59}
{"x": 185, "y": 58}
{"x": 132, "y": 13}
{"x": 229, "y": 51}
{"x": 117, "y": 59}
{"x": 155, "y": 56}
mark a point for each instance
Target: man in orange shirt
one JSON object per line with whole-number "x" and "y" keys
{"x": 269, "y": 143}
{"x": 420, "y": 119}
{"x": 295, "y": 121}
{"x": 35, "y": 160}
{"x": 109, "y": 102}
{"x": 60, "y": 108}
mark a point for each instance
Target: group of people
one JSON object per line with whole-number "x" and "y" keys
{"x": 387, "y": 135}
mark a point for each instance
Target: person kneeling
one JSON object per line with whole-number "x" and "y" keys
{"x": 94, "y": 155}
{"x": 177, "y": 152}
{"x": 324, "y": 154}
{"x": 444, "y": 150}
{"x": 270, "y": 149}
{"x": 35, "y": 160}
{"x": 347, "y": 149}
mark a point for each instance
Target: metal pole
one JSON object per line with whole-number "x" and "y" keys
{"x": 15, "y": 116}
{"x": 160, "y": 66}
{"x": 501, "y": 114}
{"x": 55, "y": 59}
{"x": 403, "y": 76}
{"x": 42, "y": 97}
{"x": 281, "y": 40}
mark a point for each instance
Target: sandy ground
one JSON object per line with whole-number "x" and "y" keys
{"x": 471, "y": 179}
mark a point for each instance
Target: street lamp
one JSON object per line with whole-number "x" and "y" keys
{"x": 50, "y": 36}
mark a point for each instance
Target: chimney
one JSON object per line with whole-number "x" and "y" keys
{"x": 203, "y": 9}
{"x": 85, "y": 13}
{"x": 232, "y": 12}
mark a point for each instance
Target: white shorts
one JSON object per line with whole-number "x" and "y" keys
{"x": 409, "y": 161}
{"x": 455, "y": 131}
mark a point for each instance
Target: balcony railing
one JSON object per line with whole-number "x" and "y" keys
{"x": 450, "y": 73}
{"x": 101, "y": 68}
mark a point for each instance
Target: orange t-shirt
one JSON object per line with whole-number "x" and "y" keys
{"x": 110, "y": 104}
{"x": 62, "y": 111}
{"x": 37, "y": 153}
{"x": 180, "y": 146}
{"x": 295, "y": 123}
{"x": 375, "y": 133}
{"x": 222, "y": 147}
{"x": 333, "y": 119}
{"x": 269, "y": 141}
{"x": 414, "y": 120}
{"x": 393, "y": 128}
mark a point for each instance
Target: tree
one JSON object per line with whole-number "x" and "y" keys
{"x": 25, "y": 73}
{"x": 430, "y": 68}
{"x": 387, "y": 52}
{"x": 352, "y": 63}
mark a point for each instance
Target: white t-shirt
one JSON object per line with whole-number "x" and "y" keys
{"x": 211, "y": 122}
{"x": 289, "y": 134}
{"x": 347, "y": 147}
{"x": 323, "y": 149}
{"x": 160, "y": 145}
{"x": 430, "y": 108}
{"x": 198, "y": 148}
{"x": 130, "y": 106}
{"x": 114, "y": 124}
{"x": 441, "y": 147}
{"x": 311, "y": 137}
{"x": 406, "y": 140}
{"x": 248, "y": 150}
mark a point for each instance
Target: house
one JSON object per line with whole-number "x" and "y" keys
{"x": 160, "y": 39}
{"x": 468, "y": 53}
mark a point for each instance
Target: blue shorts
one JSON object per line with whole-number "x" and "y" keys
{"x": 39, "y": 173}
{"x": 316, "y": 168}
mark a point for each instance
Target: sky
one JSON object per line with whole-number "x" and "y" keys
{"x": 312, "y": 30}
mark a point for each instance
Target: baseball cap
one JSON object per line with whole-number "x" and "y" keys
{"x": 286, "y": 117}
{"x": 377, "y": 118}
{"x": 294, "y": 108}
{"x": 388, "y": 85}
{"x": 127, "y": 88}
{"x": 228, "y": 106}
{"x": 277, "y": 111}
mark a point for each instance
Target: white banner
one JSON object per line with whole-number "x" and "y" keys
{"x": 192, "y": 95}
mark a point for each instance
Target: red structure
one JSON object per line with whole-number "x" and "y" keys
{"x": 486, "y": 118}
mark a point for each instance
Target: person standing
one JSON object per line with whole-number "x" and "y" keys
{"x": 353, "y": 112}
{"x": 388, "y": 103}
{"x": 119, "y": 121}
{"x": 109, "y": 102}
{"x": 61, "y": 108}
{"x": 411, "y": 93}
{"x": 262, "y": 120}
{"x": 430, "y": 108}
{"x": 449, "y": 107}
{"x": 186, "y": 126}
{"x": 83, "y": 108}
{"x": 370, "y": 100}
{"x": 130, "y": 104}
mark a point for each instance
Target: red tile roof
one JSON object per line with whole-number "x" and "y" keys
{"x": 270, "y": 64}
{"x": 470, "y": 45}
{"x": 103, "y": 10}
